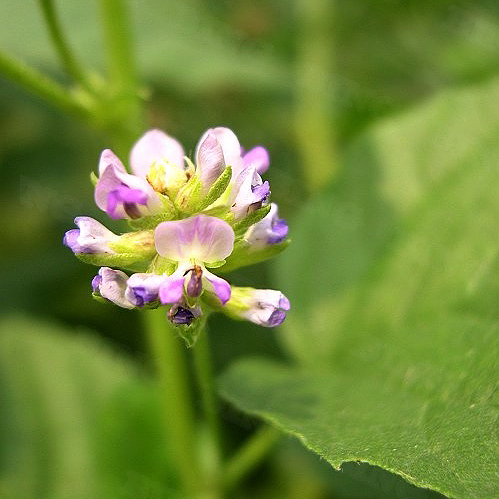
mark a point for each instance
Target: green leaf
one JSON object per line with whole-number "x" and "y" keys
{"x": 78, "y": 420}
{"x": 393, "y": 279}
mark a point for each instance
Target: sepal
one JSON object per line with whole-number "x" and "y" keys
{"x": 127, "y": 261}
{"x": 190, "y": 332}
{"x": 167, "y": 213}
{"x": 241, "y": 226}
{"x": 244, "y": 255}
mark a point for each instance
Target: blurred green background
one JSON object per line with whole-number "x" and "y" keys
{"x": 248, "y": 65}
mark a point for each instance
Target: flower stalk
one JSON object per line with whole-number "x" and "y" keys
{"x": 169, "y": 358}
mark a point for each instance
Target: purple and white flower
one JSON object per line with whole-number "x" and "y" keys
{"x": 265, "y": 307}
{"x": 193, "y": 243}
{"x": 143, "y": 288}
{"x": 122, "y": 195}
{"x": 248, "y": 191}
{"x": 112, "y": 284}
{"x": 90, "y": 237}
{"x": 157, "y": 164}
{"x": 270, "y": 230}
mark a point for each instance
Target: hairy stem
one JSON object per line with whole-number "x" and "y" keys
{"x": 169, "y": 356}
{"x": 249, "y": 456}
{"x": 61, "y": 44}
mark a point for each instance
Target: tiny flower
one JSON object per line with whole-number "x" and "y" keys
{"x": 265, "y": 307}
{"x": 122, "y": 195}
{"x": 90, "y": 237}
{"x": 270, "y": 230}
{"x": 111, "y": 285}
{"x": 143, "y": 288}
{"x": 193, "y": 243}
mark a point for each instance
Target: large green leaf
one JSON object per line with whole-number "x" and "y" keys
{"x": 77, "y": 420}
{"x": 395, "y": 319}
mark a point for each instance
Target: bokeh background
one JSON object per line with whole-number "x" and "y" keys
{"x": 254, "y": 66}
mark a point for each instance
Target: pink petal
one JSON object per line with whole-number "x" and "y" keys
{"x": 200, "y": 238}
{"x": 155, "y": 145}
{"x": 172, "y": 288}
{"x": 209, "y": 160}
{"x": 258, "y": 157}
{"x": 230, "y": 147}
{"x": 108, "y": 158}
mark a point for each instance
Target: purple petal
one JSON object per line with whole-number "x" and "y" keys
{"x": 126, "y": 199}
{"x": 218, "y": 286}
{"x": 209, "y": 160}
{"x": 258, "y": 158}
{"x": 96, "y": 282}
{"x": 155, "y": 145}
{"x": 200, "y": 238}
{"x": 276, "y": 318}
{"x": 270, "y": 230}
{"x": 230, "y": 147}
{"x": 172, "y": 288}
{"x": 108, "y": 158}
{"x": 181, "y": 315}
{"x": 71, "y": 241}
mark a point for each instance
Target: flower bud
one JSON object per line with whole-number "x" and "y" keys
{"x": 111, "y": 285}
{"x": 265, "y": 307}
{"x": 90, "y": 237}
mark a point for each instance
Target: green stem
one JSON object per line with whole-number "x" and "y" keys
{"x": 125, "y": 103}
{"x": 249, "y": 456}
{"x": 314, "y": 89}
{"x": 204, "y": 374}
{"x": 61, "y": 44}
{"x": 42, "y": 86}
{"x": 168, "y": 352}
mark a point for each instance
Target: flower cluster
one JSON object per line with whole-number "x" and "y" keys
{"x": 187, "y": 217}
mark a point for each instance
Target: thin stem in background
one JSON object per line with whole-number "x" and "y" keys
{"x": 61, "y": 44}
{"x": 125, "y": 102}
{"x": 249, "y": 455}
{"x": 314, "y": 88}
{"x": 204, "y": 375}
{"x": 42, "y": 86}
{"x": 169, "y": 356}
